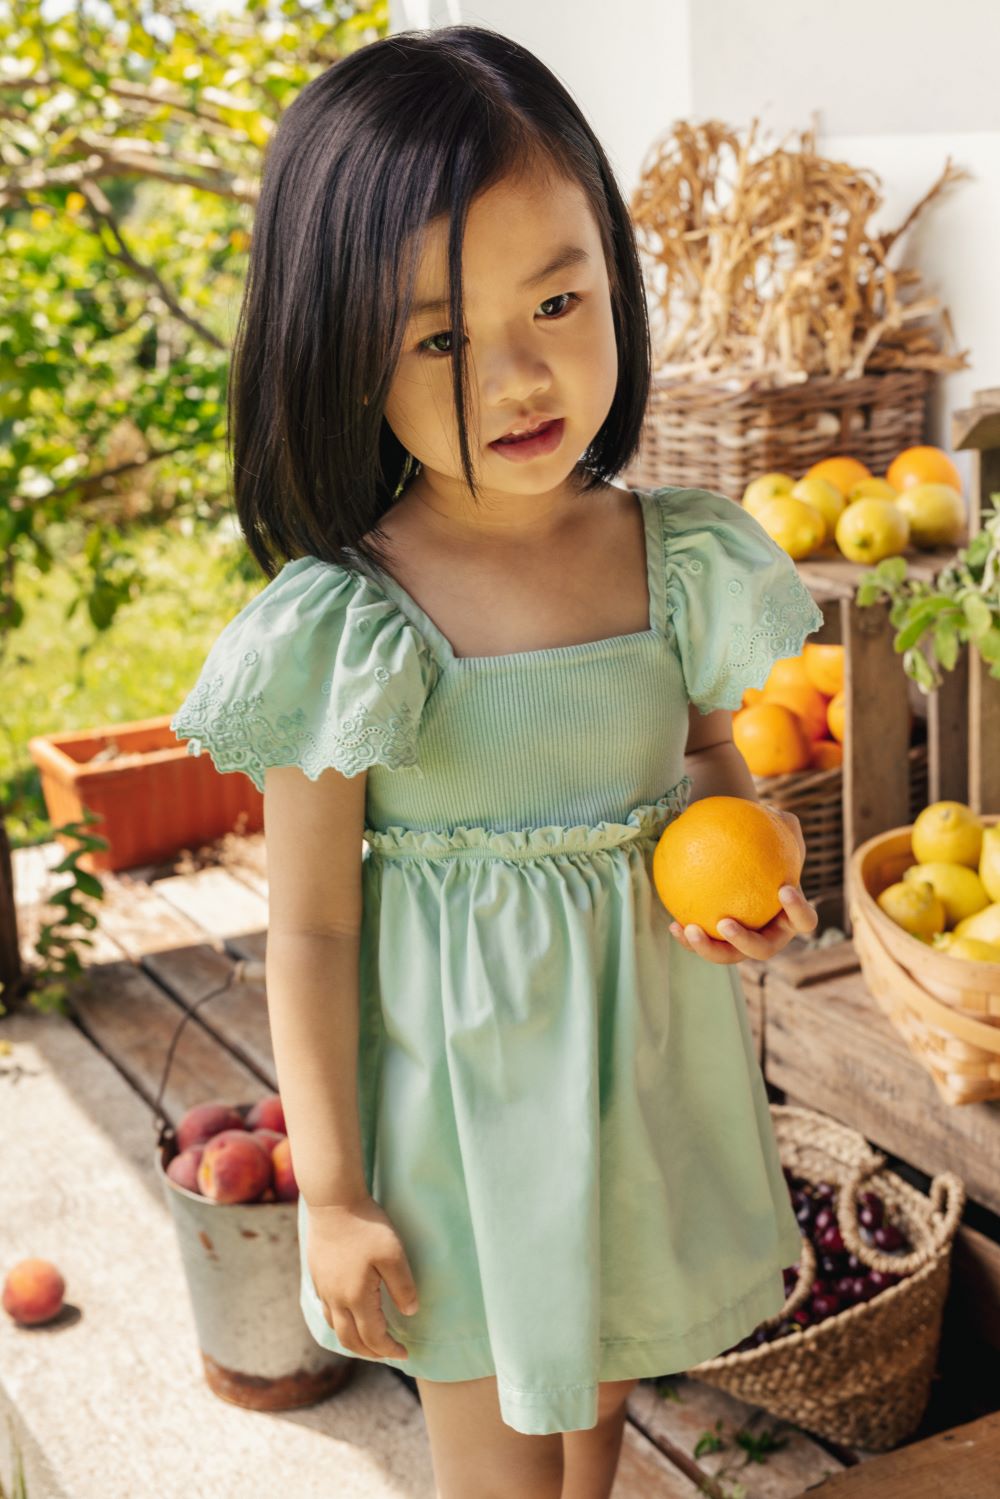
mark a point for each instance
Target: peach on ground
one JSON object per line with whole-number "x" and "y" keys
{"x": 33, "y": 1292}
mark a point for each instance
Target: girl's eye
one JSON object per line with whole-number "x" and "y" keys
{"x": 568, "y": 297}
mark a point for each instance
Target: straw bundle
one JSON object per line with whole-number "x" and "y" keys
{"x": 775, "y": 275}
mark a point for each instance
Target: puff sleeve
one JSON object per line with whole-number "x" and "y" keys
{"x": 320, "y": 669}
{"x": 735, "y": 599}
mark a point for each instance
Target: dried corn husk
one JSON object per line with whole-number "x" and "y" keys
{"x": 764, "y": 268}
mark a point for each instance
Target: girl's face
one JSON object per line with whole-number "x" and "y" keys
{"x": 538, "y": 346}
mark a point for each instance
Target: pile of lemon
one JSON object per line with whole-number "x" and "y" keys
{"x": 950, "y": 897}
{"x": 918, "y": 503}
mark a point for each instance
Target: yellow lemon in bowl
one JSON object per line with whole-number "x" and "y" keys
{"x": 915, "y": 908}
{"x": 959, "y": 888}
{"x": 796, "y": 526}
{"x": 972, "y": 949}
{"x": 985, "y": 925}
{"x": 871, "y": 529}
{"x": 947, "y": 833}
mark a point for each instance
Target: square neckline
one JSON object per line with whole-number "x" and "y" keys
{"x": 418, "y": 617}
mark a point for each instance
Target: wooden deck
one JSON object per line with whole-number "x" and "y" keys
{"x": 166, "y": 936}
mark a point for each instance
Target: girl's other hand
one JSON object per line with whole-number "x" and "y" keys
{"x": 350, "y": 1250}
{"x": 798, "y": 918}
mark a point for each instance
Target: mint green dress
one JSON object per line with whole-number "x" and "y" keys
{"x": 562, "y": 1112}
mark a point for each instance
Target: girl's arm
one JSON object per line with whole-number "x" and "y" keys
{"x": 717, "y": 768}
{"x": 313, "y": 837}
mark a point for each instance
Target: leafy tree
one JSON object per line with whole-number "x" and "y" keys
{"x": 130, "y": 151}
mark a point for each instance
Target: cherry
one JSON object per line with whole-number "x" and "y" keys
{"x": 826, "y": 1305}
{"x": 831, "y": 1240}
{"x": 888, "y": 1237}
{"x": 824, "y": 1218}
{"x": 825, "y": 1190}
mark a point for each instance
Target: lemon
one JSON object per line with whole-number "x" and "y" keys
{"x": 959, "y": 888}
{"x": 985, "y": 924}
{"x": 936, "y": 513}
{"x": 947, "y": 833}
{"x": 796, "y": 526}
{"x": 871, "y": 529}
{"x": 824, "y": 496}
{"x": 766, "y": 487}
{"x": 973, "y": 950}
{"x": 871, "y": 489}
{"x": 913, "y": 907}
{"x": 989, "y": 861}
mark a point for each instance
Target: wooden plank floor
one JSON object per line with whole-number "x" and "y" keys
{"x": 166, "y": 936}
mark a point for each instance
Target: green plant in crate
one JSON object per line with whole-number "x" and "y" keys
{"x": 934, "y": 620}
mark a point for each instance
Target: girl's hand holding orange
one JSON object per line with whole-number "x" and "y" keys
{"x": 796, "y": 919}
{"x": 728, "y": 871}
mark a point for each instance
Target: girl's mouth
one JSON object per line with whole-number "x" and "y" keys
{"x": 545, "y": 440}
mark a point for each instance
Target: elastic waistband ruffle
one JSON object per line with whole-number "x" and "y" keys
{"x": 646, "y": 821}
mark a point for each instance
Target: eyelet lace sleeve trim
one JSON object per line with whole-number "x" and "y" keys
{"x": 241, "y": 733}
{"x": 788, "y": 615}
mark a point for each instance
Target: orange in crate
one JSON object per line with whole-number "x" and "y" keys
{"x": 771, "y": 739}
{"x": 807, "y": 702}
{"x": 824, "y": 667}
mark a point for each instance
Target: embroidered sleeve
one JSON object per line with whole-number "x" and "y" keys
{"x": 319, "y": 670}
{"x": 735, "y": 598}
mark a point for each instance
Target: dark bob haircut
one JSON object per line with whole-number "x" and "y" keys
{"x": 406, "y": 130}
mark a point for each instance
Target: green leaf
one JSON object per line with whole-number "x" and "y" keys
{"x": 916, "y": 666}
{"x": 891, "y": 570}
{"x": 946, "y": 643}
{"x": 978, "y": 614}
{"x": 988, "y": 645}
{"x": 911, "y": 632}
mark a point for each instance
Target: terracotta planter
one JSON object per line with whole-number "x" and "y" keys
{"x": 152, "y": 796}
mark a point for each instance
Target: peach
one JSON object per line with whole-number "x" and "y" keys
{"x": 234, "y": 1168}
{"x": 205, "y": 1120}
{"x": 267, "y": 1113}
{"x": 33, "y": 1292}
{"x": 286, "y": 1188}
{"x": 268, "y": 1138}
{"x": 183, "y": 1169}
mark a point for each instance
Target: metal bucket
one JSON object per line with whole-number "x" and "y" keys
{"x": 243, "y": 1270}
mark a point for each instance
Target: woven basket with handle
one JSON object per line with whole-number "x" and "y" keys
{"x": 861, "y": 1377}
{"x": 946, "y": 1009}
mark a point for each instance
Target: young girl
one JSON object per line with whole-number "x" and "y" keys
{"x": 532, "y": 1140}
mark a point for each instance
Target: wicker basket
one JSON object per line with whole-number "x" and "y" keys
{"x": 946, "y": 1009}
{"x": 702, "y": 434}
{"x": 817, "y": 799}
{"x": 861, "y": 1377}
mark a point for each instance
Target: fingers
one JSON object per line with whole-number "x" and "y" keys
{"x": 804, "y": 918}
{"x": 797, "y": 918}
{"x": 362, "y": 1327}
{"x": 699, "y": 942}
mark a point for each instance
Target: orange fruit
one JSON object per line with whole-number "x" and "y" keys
{"x": 824, "y": 666}
{"x": 842, "y": 471}
{"x": 790, "y": 671}
{"x": 725, "y": 856}
{"x": 807, "y": 702}
{"x": 752, "y": 695}
{"x": 923, "y": 464}
{"x": 827, "y": 754}
{"x": 836, "y": 716}
{"x": 771, "y": 738}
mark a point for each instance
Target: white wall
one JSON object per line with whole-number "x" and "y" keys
{"x": 893, "y": 85}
